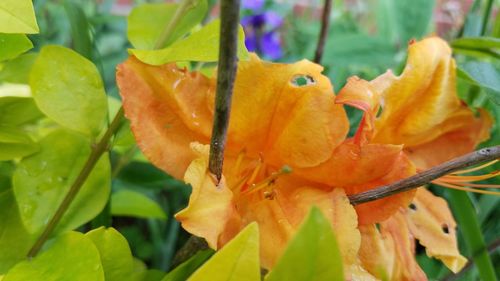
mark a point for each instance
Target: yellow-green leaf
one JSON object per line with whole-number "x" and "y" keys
{"x": 15, "y": 241}
{"x": 116, "y": 258}
{"x": 237, "y": 261}
{"x": 68, "y": 89}
{"x": 42, "y": 180}
{"x": 70, "y": 257}
{"x": 146, "y": 22}
{"x": 202, "y": 45}
{"x": 312, "y": 255}
{"x": 13, "y": 45}
{"x": 135, "y": 204}
{"x": 15, "y": 143}
{"x": 17, "y": 16}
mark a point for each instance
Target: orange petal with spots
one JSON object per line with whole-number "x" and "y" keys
{"x": 406, "y": 267}
{"x": 210, "y": 204}
{"x": 431, "y": 222}
{"x": 168, "y": 109}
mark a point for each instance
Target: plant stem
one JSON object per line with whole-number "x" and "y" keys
{"x": 179, "y": 13}
{"x": 471, "y": 231}
{"x": 226, "y": 75}
{"x": 486, "y": 17}
{"x": 325, "y": 24}
{"x": 95, "y": 154}
{"x": 482, "y": 155}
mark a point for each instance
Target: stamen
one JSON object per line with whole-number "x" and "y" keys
{"x": 268, "y": 181}
{"x": 452, "y": 186}
{"x": 450, "y": 178}
{"x": 240, "y": 158}
{"x": 475, "y": 168}
{"x": 477, "y": 185}
{"x": 255, "y": 172}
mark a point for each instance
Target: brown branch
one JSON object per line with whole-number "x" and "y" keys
{"x": 189, "y": 249}
{"x": 95, "y": 154}
{"x": 425, "y": 177}
{"x": 491, "y": 248}
{"x": 226, "y": 75}
{"x": 325, "y": 24}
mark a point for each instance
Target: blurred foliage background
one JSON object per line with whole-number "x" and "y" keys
{"x": 366, "y": 38}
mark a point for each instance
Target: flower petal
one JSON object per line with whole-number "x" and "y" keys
{"x": 287, "y": 124}
{"x": 210, "y": 205}
{"x": 464, "y": 139}
{"x": 377, "y": 252}
{"x": 351, "y": 164}
{"x": 431, "y": 222}
{"x": 407, "y": 267}
{"x": 280, "y": 216}
{"x": 167, "y": 108}
{"x": 422, "y": 104}
{"x": 379, "y": 210}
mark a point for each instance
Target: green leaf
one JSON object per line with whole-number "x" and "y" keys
{"x": 183, "y": 271}
{"x": 18, "y": 111}
{"x": 68, "y": 89}
{"x": 15, "y": 241}
{"x": 15, "y": 143}
{"x": 481, "y": 47}
{"x": 70, "y": 257}
{"x": 42, "y": 180}
{"x": 469, "y": 227}
{"x": 313, "y": 253}
{"x": 481, "y": 43}
{"x": 17, "y": 16}
{"x": 482, "y": 74}
{"x": 238, "y": 260}
{"x": 17, "y": 70}
{"x": 146, "y": 23}
{"x": 202, "y": 45}
{"x": 135, "y": 204}
{"x": 80, "y": 29}
{"x": 116, "y": 258}
{"x": 13, "y": 45}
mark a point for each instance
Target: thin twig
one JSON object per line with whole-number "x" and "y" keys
{"x": 95, "y": 154}
{"x": 325, "y": 24}
{"x": 189, "y": 249}
{"x": 452, "y": 276}
{"x": 425, "y": 177}
{"x": 226, "y": 75}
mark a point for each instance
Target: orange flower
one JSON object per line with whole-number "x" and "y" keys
{"x": 287, "y": 149}
{"x": 421, "y": 110}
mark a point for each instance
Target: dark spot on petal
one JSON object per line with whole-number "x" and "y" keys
{"x": 445, "y": 228}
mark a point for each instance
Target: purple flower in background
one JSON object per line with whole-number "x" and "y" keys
{"x": 261, "y": 33}
{"x": 253, "y": 4}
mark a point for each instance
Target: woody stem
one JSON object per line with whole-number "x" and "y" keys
{"x": 97, "y": 151}
{"x": 425, "y": 177}
{"x": 325, "y": 23}
{"x": 226, "y": 75}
